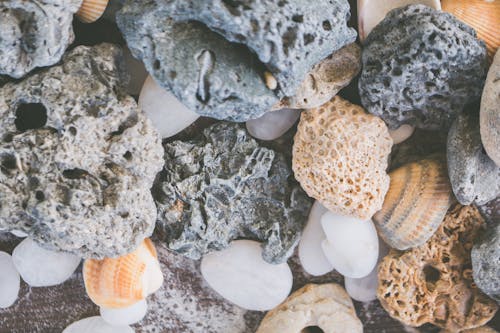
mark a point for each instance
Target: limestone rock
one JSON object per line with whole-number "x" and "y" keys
{"x": 421, "y": 67}
{"x": 486, "y": 262}
{"x": 78, "y": 158}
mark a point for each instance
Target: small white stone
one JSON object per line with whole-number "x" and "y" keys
{"x": 240, "y": 275}
{"x": 137, "y": 72}
{"x": 167, "y": 113}
{"x": 351, "y": 245}
{"x": 401, "y": 134}
{"x": 311, "y": 255}
{"x": 273, "y": 124}
{"x": 125, "y": 316}
{"x": 96, "y": 325}
{"x": 19, "y": 233}
{"x": 9, "y": 281}
{"x": 42, "y": 268}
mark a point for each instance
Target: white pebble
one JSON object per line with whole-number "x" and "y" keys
{"x": 137, "y": 72}
{"x": 42, "y": 268}
{"x": 402, "y": 133}
{"x": 125, "y": 316}
{"x": 167, "y": 113}
{"x": 95, "y": 325}
{"x": 19, "y": 233}
{"x": 273, "y": 124}
{"x": 351, "y": 244}
{"x": 240, "y": 275}
{"x": 9, "y": 281}
{"x": 311, "y": 255}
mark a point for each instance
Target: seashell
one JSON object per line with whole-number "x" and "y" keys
{"x": 91, "y": 10}
{"x": 415, "y": 205}
{"x": 482, "y": 15}
{"x": 120, "y": 282}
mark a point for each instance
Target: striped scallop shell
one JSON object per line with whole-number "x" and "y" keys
{"x": 418, "y": 198}
{"x": 91, "y": 10}
{"x": 123, "y": 281}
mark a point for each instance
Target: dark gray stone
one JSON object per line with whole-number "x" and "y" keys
{"x": 485, "y": 257}
{"x": 210, "y": 75}
{"x": 491, "y": 211}
{"x": 474, "y": 177}
{"x": 223, "y": 186}
{"x": 421, "y": 67}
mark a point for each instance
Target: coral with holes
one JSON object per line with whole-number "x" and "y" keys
{"x": 221, "y": 186}
{"x": 34, "y": 33}
{"x": 486, "y": 262}
{"x": 340, "y": 157}
{"x": 433, "y": 283}
{"x": 421, "y": 67}
{"x": 77, "y": 157}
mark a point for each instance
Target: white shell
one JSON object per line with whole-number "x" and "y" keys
{"x": 95, "y": 325}
{"x": 125, "y": 316}
{"x": 10, "y": 281}
{"x": 273, "y": 124}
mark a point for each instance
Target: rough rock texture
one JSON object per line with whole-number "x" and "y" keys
{"x": 421, "y": 67}
{"x": 208, "y": 74}
{"x": 34, "y": 33}
{"x": 486, "y": 262}
{"x": 491, "y": 211}
{"x": 340, "y": 156}
{"x": 77, "y": 157}
{"x": 473, "y": 175}
{"x": 433, "y": 283}
{"x": 222, "y": 186}
{"x": 289, "y": 37}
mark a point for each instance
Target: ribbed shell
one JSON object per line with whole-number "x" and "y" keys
{"x": 91, "y": 10}
{"x": 418, "y": 198}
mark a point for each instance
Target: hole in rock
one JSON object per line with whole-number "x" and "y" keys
{"x": 30, "y": 116}
{"x": 8, "y": 138}
{"x": 312, "y": 329}
{"x": 298, "y": 18}
{"x": 127, "y": 156}
{"x": 327, "y": 25}
{"x": 8, "y": 163}
{"x": 73, "y": 130}
{"x": 40, "y": 196}
{"x": 232, "y": 6}
{"x": 431, "y": 276}
{"x": 75, "y": 173}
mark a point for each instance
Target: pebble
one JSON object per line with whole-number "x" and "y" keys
{"x": 136, "y": 70}
{"x": 125, "y": 316}
{"x": 43, "y": 268}
{"x": 351, "y": 244}
{"x": 273, "y": 124}
{"x": 9, "y": 281}
{"x": 96, "y": 325}
{"x": 311, "y": 254}
{"x": 402, "y": 133}
{"x": 485, "y": 258}
{"x": 167, "y": 113}
{"x": 240, "y": 275}
{"x": 19, "y": 233}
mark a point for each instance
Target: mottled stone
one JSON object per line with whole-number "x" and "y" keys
{"x": 421, "y": 67}
{"x": 221, "y": 186}
{"x": 486, "y": 262}
{"x": 78, "y": 157}
{"x": 34, "y": 33}
{"x": 491, "y": 211}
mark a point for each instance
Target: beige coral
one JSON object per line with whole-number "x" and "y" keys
{"x": 340, "y": 157}
{"x": 433, "y": 283}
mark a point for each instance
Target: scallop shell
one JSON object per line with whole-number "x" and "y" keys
{"x": 123, "y": 281}
{"x": 415, "y": 205}
{"x": 482, "y": 15}
{"x": 91, "y": 10}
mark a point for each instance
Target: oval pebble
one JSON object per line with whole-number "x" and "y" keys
{"x": 240, "y": 275}
{"x": 19, "y": 233}
{"x": 9, "y": 281}
{"x": 351, "y": 244}
{"x": 273, "y": 124}
{"x": 125, "y": 316}
{"x": 95, "y": 325}
{"x": 402, "y": 133}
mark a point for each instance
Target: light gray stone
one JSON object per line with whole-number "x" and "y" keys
{"x": 485, "y": 257}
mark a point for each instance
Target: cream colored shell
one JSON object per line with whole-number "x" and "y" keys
{"x": 91, "y": 10}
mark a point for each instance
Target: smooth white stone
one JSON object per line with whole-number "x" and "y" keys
{"x": 167, "y": 113}
{"x": 9, "y": 281}
{"x": 137, "y": 72}
{"x": 126, "y": 316}
{"x": 240, "y": 275}
{"x": 96, "y": 325}
{"x": 19, "y": 233}
{"x": 401, "y": 134}
{"x": 273, "y": 124}
{"x": 351, "y": 245}
{"x": 43, "y": 268}
{"x": 311, "y": 255}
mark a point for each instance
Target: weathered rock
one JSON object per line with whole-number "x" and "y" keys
{"x": 486, "y": 262}
{"x": 34, "y": 33}
{"x": 77, "y": 157}
{"x": 421, "y": 67}
{"x": 222, "y": 186}
{"x": 491, "y": 211}
{"x": 473, "y": 175}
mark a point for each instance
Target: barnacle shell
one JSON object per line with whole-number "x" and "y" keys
{"x": 415, "y": 205}
{"x": 91, "y": 10}
{"x": 123, "y": 281}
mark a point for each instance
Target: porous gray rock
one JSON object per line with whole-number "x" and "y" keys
{"x": 77, "y": 157}
{"x": 34, "y": 33}
{"x": 208, "y": 74}
{"x": 421, "y": 67}
{"x": 222, "y": 186}
{"x": 485, "y": 257}
{"x": 474, "y": 177}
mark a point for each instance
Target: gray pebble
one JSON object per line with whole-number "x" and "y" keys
{"x": 485, "y": 257}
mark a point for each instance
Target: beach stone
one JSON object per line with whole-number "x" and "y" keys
{"x": 486, "y": 262}
{"x": 78, "y": 158}
{"x": 34, "y": 33}
{"x": 401, "y": 134}
{"x": 491, "y": 211}
{"x": 221, "y": 186}
{"x": 421, "y": 67}
{"x": 96, "y": 325}
{"x": 273, "y": 124}
{"x": 10, "y": 281}
{"x": 474, "y": 177}
{"x": 125, "y": 316}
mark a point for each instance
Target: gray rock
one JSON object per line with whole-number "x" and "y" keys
{"x": 290, "y": 37}
{"x": 485, "y": 257}
{"x": 474, "y": 176}
{"x": 34, "y": 33}
{"x": 77, "y": 157}
{"x": 222, "y": 186}
{"x": 491, "y": 211}
{"x": 210, "y": 75}
{"x": 421, "y": 67}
